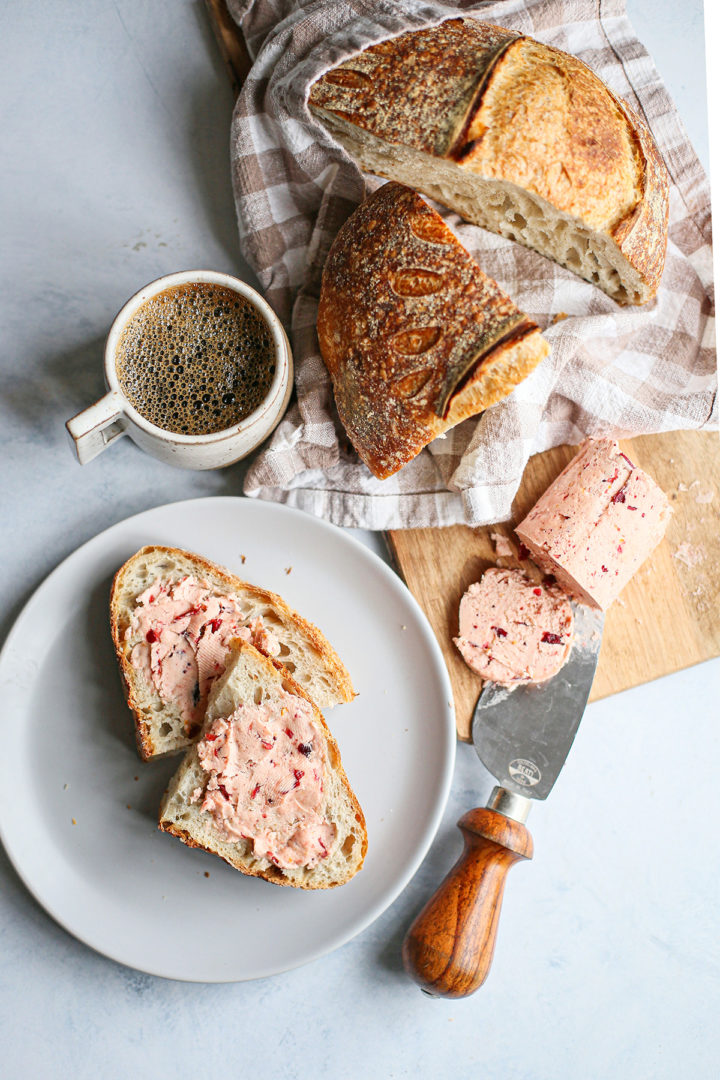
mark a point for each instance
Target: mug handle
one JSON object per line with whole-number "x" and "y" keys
{"x": 97, "y": 426}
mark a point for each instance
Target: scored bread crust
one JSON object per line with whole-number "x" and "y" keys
{"x": 306, "y": 652}
{"x": 415, "y": 336}
{"x": 248, "y": 670}
{"x": 516, "y": 136}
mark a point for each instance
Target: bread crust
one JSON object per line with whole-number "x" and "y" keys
{"x": 376, "y": 89}
{"x": 414, "y": 335}
{"x": 121, "y": 612}
{"x": 234, "y": 853}
{"x": 642, "y": 234}
{"x": 506, "y": 108}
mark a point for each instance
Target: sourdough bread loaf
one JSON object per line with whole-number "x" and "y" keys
{"x": 415, "y": 336}
{"x": 252, "y": 679}
{"x": 160, "y": 726}
{"x": 518, "y": 137}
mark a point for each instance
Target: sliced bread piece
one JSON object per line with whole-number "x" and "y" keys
{"x": 172, "y": 616}
{"x": 265, "y": 788}
{"x": 514, "y": 135}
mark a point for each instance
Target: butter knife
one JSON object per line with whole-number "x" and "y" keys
{"x": 522, "y": 735}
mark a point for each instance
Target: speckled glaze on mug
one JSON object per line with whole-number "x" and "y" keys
{"x": 113, "y": 416}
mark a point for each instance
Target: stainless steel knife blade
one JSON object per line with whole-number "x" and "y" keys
{"x": 523, "y": 734}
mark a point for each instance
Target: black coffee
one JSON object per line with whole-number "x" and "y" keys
{"x": 196, "y": 359}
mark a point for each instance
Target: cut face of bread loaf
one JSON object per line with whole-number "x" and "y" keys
{"x": 415, "y": 336}
{"x": 215, "y": 796}
{"x": 145, "y": 644}
{"x": 515, "y": 136}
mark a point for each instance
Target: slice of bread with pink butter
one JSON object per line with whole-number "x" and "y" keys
{"x": 173, "y": 615}
{"x": 264, "y": 787}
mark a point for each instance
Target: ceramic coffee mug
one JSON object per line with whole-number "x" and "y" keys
{"x": 113, "y": 416}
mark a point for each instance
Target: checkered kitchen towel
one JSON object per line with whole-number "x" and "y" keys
{"x": 624, "y": 371}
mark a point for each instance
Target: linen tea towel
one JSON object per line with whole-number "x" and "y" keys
{"x": 616, "y": 370}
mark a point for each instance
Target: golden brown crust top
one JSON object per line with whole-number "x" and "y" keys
{"x": 548, "y": 124}
{"x": 415, "y": 89}
{"x": 405, "y": 318}
{"x": 642, "y": 234}
{"x": 511, "y": 109}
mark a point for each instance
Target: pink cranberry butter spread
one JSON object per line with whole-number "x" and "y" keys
{"x": 513, "y": 630}
{"x": 596, "y": 523}
{"x": 266, "y": 765}
{"x": 186, "y": 631}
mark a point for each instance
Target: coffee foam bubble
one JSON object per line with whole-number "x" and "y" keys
{"x": 196, "y": 359}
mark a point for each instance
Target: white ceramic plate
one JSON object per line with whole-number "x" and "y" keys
{"x": 140, "y": 896}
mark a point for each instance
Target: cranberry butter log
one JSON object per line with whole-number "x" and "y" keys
{"x": 513, "y": 630}
{"x": 596, "y": 524}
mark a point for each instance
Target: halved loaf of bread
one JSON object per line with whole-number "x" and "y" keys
{"x": 250, "y": 690}
{"x": 415, "y": 336}
{"x": 517, "y": 137}
{"x": 161, "y": 725}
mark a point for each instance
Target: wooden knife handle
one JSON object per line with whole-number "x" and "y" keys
{"x": 449, "y": 948}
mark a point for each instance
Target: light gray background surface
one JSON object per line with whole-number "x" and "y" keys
{"x": 115, "y": 129}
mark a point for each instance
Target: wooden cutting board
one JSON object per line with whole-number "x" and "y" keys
{"x": 666, "y": 619}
